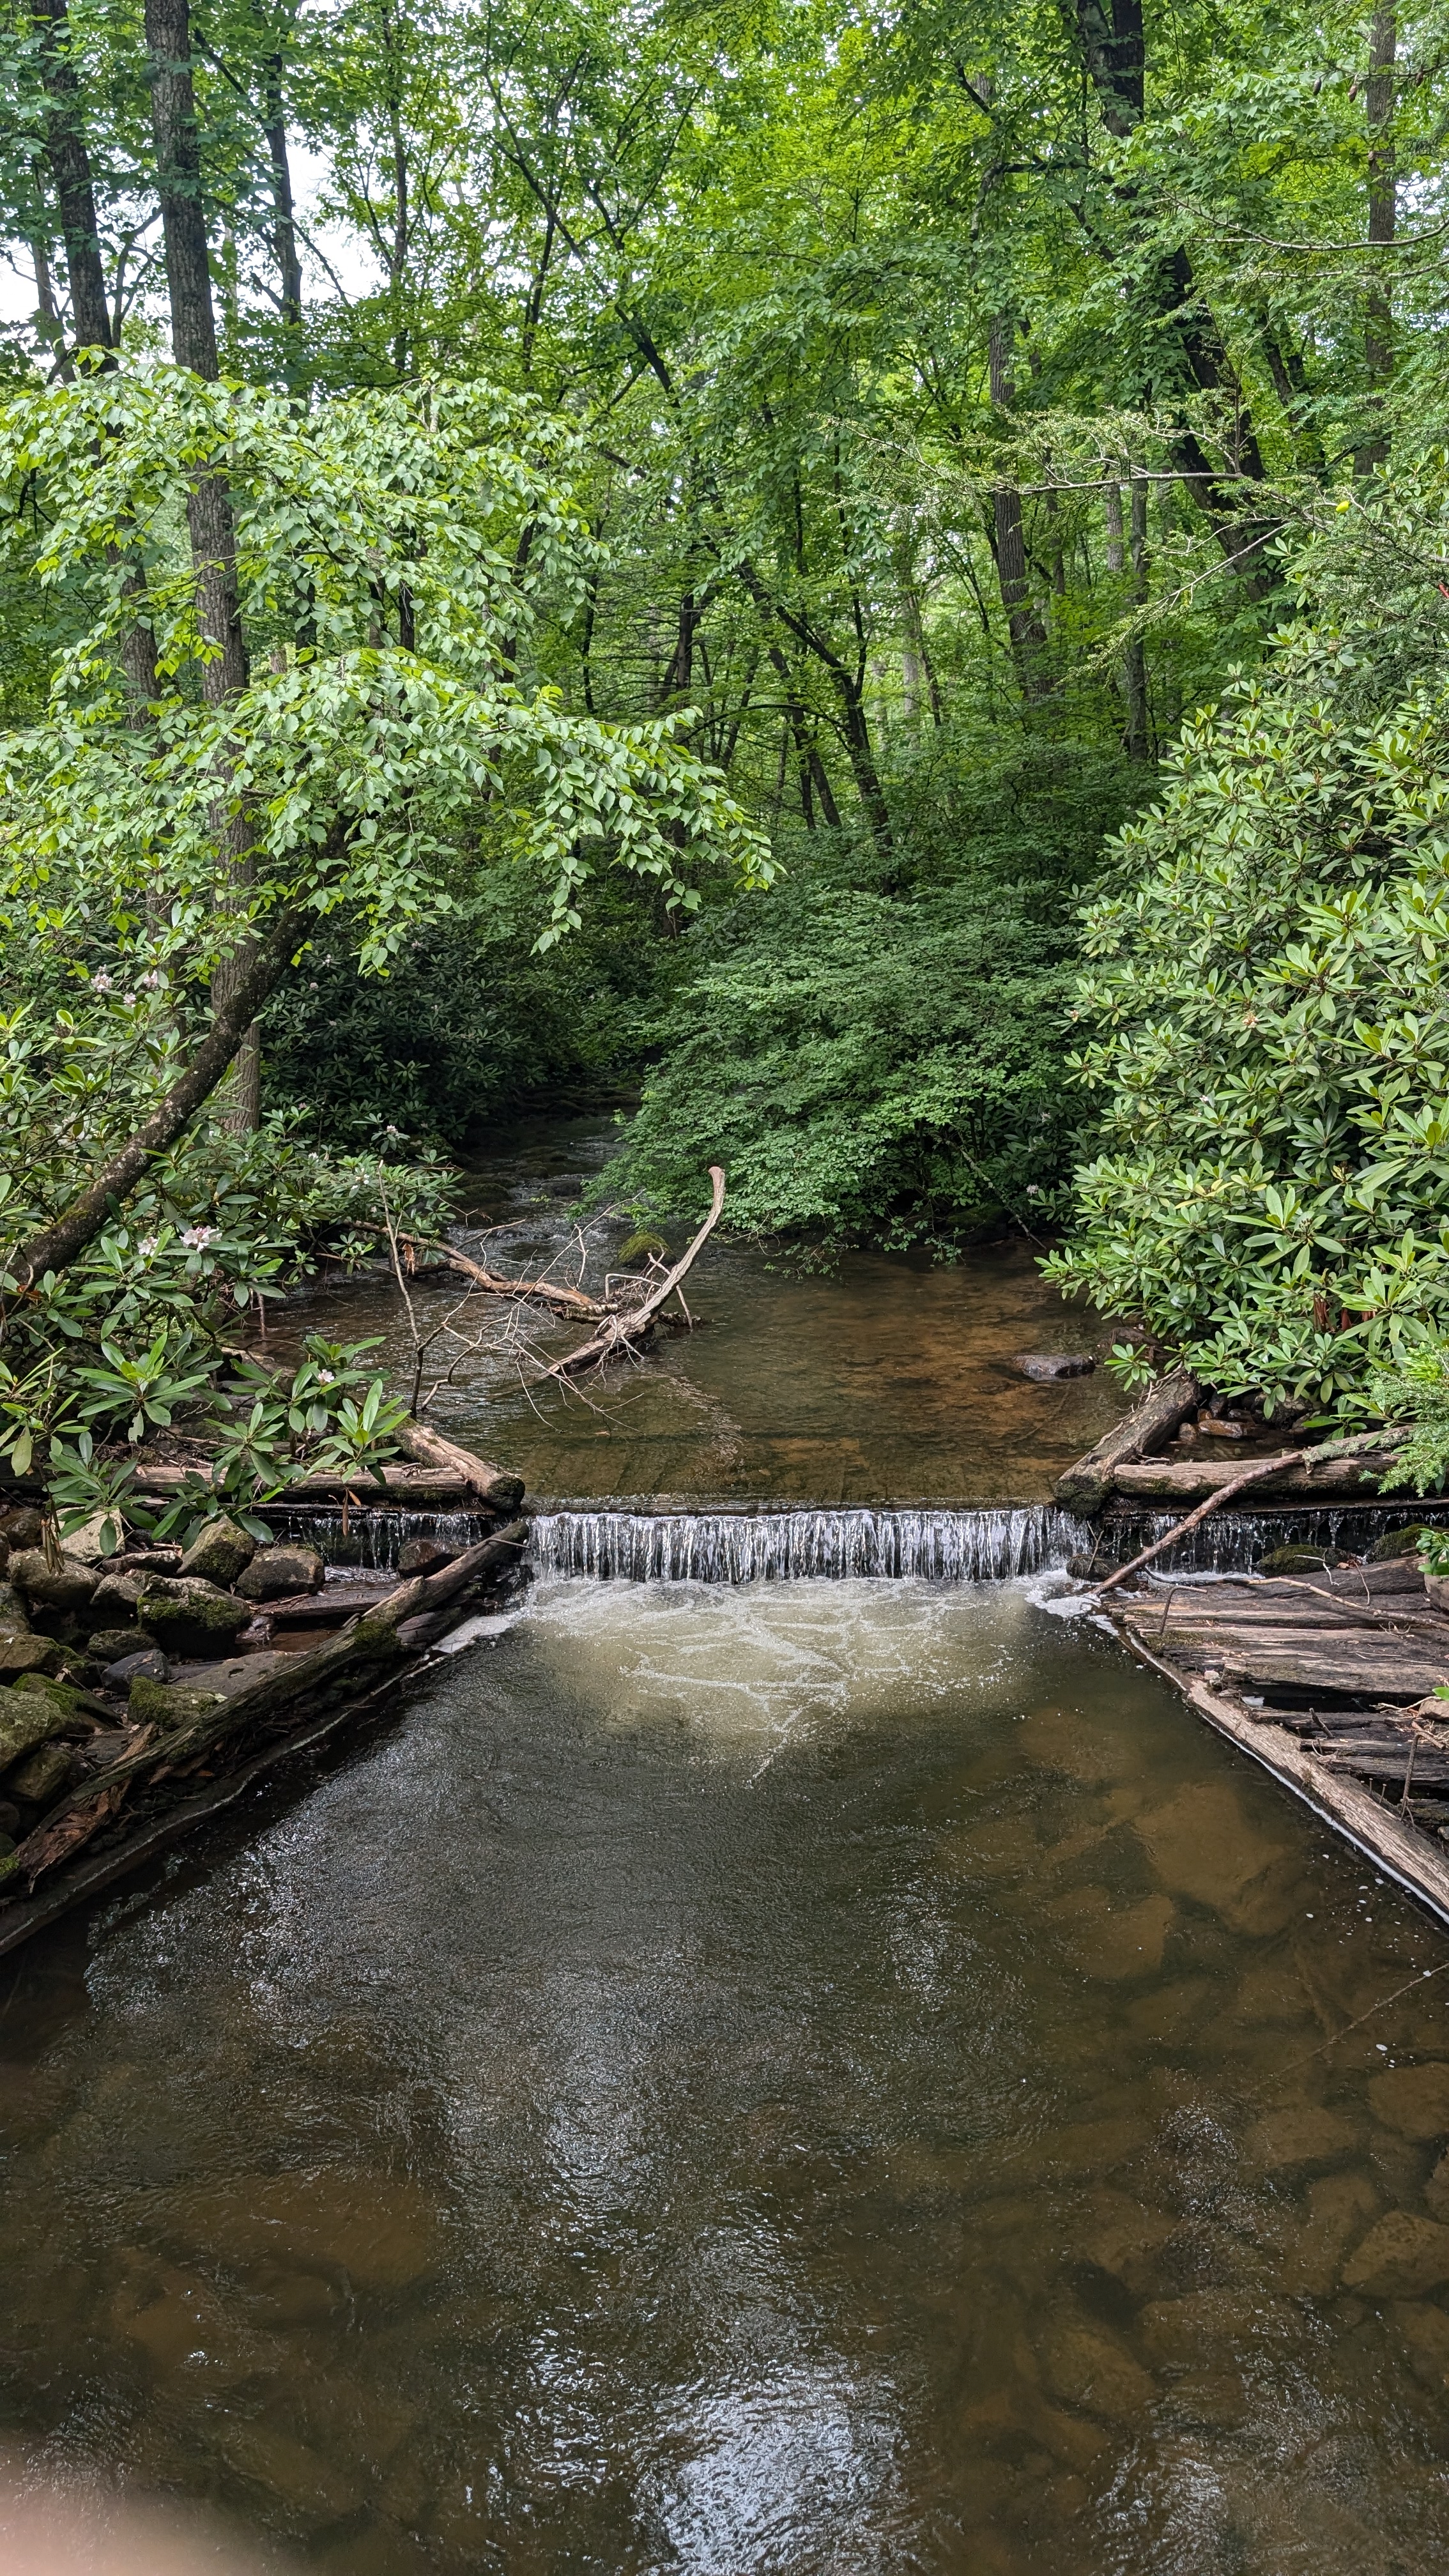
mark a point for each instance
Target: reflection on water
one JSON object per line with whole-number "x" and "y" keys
{"x": 753, "y": 2082}
{"x": 886, "y": 1382}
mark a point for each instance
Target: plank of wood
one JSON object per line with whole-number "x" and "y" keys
{"x": 1196, "y": 1479}
{"x": 1086, "y": 1485}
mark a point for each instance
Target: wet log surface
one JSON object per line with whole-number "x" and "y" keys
{"x": 1086, "y": 1486}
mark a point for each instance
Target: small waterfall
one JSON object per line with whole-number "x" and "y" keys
{"x": 1232, "y": 1542}
{"x": 780, "y": 1547}
{"x": 374, "y": 1536}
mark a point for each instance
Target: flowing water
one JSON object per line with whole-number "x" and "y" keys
{"x": 751, "y": 2079}
{"x": 887, "y": 1381}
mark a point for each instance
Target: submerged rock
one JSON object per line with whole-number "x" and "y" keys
{"x": 1048, "y": 1365}
{"x": 220, "y": 1553}
{"x": 276, "y": 1571}
{"x": 1299, "y": 1560}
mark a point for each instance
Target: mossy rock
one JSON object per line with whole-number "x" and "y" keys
{"x": 27, "y": 1718}
{"x": 1299, "y": 1560}
{"x": 192, "y": 1619}
{"x": 1399, "y": 1542}
{"x": 68, "y": 1697}
{"x": 66, "y": 1586}
{"x": 40, "y": 1778}
{"x": 168, "y": 1705}
{"x": 29, "y": 1655}
{"x": 219, "y": 1553}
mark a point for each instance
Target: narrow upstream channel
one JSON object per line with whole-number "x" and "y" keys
{"x": 751, "y": 2078}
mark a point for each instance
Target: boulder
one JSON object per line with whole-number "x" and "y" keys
{"x": 66, "y": 1586}
{"x": 119, "y": 1590}
{"x": 72, "y": 1701}
{"x": 424, "y": 1556}
{"x": 110, "y": 1645}
{"x": 88, "y": 1543}
{"x": 1399, "y": 1542}
{"x": 21, "y": 1526}
{"x": 276, "y": 1571}
{"x": 150, "y": 1666}
{"x": 1403, "y": 2257}
{"x": 27, "y": 1718}
{"x": 42, "y": 1775}
{"x": 189, "y": 1617}
{"x": 13, "y": 1619}
{"x": 29, "y": 1655}
{"x": 220, "y": 1553}
{"x": 1047, "y": 1366}
{"x": 168, "y": 1705}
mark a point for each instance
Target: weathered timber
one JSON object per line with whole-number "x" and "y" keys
{"x": 416, "y": 1488}
{"x": 1198, "y": 1480}
{"x": 1086, "y": 1486}
{"x": 546, "y": 1292}
{"x": 492, "y": 1485}
{"x": 619, "y": 1330}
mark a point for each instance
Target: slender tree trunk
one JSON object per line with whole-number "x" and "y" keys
{"x": 284, "y": 221}
{"x": 1378, "y": 319}
{"x": 1134, "y": 660}
{"x": 70, "y": 167}
{"x": 1023, "y": 625}
{"x": 209, "y": 512}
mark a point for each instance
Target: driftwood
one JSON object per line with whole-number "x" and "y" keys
{"x": 1085, "y": 1486}
{"x": 490, "y": 1484}
{"x": 370, "y": 1641}
{"x": 618, "y": 1330}
{"x": 1240, "y": 1478}
{"x": 412, "y": 1486}
{"x": 567, "y": 1301}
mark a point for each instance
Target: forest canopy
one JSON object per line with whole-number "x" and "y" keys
{"x": 874, "y": 581}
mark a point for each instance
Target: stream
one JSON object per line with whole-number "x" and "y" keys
{"x": 754, "y": 2076}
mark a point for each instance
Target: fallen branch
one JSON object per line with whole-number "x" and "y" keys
{"x": 618, "y": 1330}
{"x": 568, "y": 1301}
{"x": 430, "y": 1449}
{"x": 1356, "y": 1447}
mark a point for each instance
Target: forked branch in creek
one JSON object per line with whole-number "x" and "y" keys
{"x": 618, "y": 1330}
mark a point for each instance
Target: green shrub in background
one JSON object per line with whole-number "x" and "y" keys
{"x": 1266, "y": 1035}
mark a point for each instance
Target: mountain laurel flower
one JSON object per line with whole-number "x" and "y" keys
{"x": 155, "y": 982}
{"x": 326, "y": 1378}
{"x": 147, "y": 1245}
{"x": 101, "y": 982}
{"x": 197, "y": 1237}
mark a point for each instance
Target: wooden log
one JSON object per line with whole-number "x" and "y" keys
{"x": 1086, "y": 1486}
{"x": 412, "y": 1487}
{"x": 619, "y": 1330}
{"x": 1336, "y": 1468}
{"x": 547, "y": 1292}
{"x": 369, "y": 1641}
{"x": 492, "y": 1485}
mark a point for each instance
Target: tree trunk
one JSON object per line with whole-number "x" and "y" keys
{"x": 57, "y": 1245}
{"x": 209, "y": 511}
{"x": 1378, "y": 319}
{"x": 284, "y": 222}
{"x": 1023, "y": 625}
{"x": 65, "y": 149}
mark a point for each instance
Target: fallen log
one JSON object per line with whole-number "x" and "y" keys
{"x": 1237, "y": 1479}
{"x": 415, "y": 1487}
{"x": 491, "y": 1484}
{"x": 369, "y": 1641}
{"x": 565, "y": 1301}
{"x": 1086, "y": 1486}
{"x": 618, "y": 1330}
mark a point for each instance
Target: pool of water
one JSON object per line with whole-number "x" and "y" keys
{"x": 886, "y": 1380}
{"x": 750, "y": 2081}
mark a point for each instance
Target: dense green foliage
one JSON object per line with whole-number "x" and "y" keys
{"x": 669, "y": 446}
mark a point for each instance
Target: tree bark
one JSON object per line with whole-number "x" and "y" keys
{"x": 209, "y": 512}
{"x": 65, "y": 149}
{"x": 284, "y": 221}
{"x": 1378, "y": 319}
{"x": 1023, "y": 625}
{"x": 58, "y": 1245}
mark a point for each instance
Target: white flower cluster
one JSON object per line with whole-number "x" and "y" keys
{"x": 197, "y": 1237}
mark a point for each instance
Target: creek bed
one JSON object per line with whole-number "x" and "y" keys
{"x": 744, "y": 2078}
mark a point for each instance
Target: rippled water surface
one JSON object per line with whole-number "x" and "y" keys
{"x": 811, "y": 2077}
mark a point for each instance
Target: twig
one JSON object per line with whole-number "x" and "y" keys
{"x": 617, "y": 1331}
